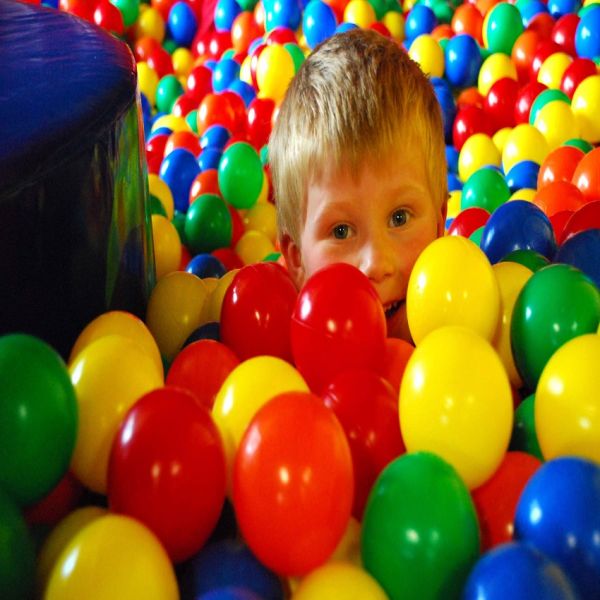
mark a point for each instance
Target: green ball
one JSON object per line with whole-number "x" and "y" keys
{"x": 380, "y": 8}
{"x": 178, "y": 221}
{"x": 504, "y": 24}
{"x": 524, "y": 436}
{"x": 247, "y": 5}
{"x": 420, "y": 535}
{"x": 476, "y": 236}
{"x": 38, "y": 418}
{"x": 583, "y": 145}
{"x": 192, "y": 120}
{"x": 17, "y": 553}
{"x": 240, "y": 175}
{"x": 130, "y": 9}
{"x": 543, "y": 98}
{"x": 272, "y": 257}
{"x": 170, "y": 45}
{"x": 486, "y": 188}
{"x": 168, "y": 90}
{"x": 156, "y": 206}
{"x": 296, "y": 53}
{"x": 208, "y": 224}
{"x": 557, "y": 304}
{"x": 531, "y": 259}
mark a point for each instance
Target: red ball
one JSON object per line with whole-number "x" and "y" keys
{"x": 201, "y": 368}
{"x": 61, "y": 500}
{"x": 366, "y": 406}
{"x": 219, "y": 42}
{"x": 254, "y": 56}
{"x": 206, "y": 182}
{"x": 281, "y": 35}
{"x": 542, "y": 23}
{"x": 215, "y": 109}
{"x": 109, "y": 17}
{"x": 228, "y": 258}
{"x": 559, "y": 196}
{"x": 468, "y": 220}
{"x": 237, "y": 225}
{"x": 587, "y": 217}
{"x": 293, "y": 483}
{"x": 187, "y": 140}
{"x": 167, "y": 469}
{"x": 587, "y": 175}
{"x": 496, "y": 500}
{"x": 160, "y": 60}
{"x": 256, "y": 312}
{"x": 525, "y": 98}
{"x": 397, "y": 353}
{"x": 338, "y": 324}
{"x": 542, "y": 51}
{"x": 499, "y": 103}
{"x": 144, "y": 46}
{"x": 469, "y": 120}
{"x": 559, "y": 165}
{"x": 184, "y": 105}
{"x": 258, "y": 123}
{"x": 155, "y": 151}
{"x": 199, "y": 82}
{"x": 575, "y": 73}
{"x": 558, "y": 221}
{"x": 563, "y": 32}
{"x": 237, "y": 106}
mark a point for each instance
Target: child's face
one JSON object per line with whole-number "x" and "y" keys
{"x": 378, "y": 223}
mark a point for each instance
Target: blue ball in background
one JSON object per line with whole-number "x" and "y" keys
{"x": 318, "y": 22}
{"x": 225, "y": 13}
{"x": 452, "y": 155}
{"x": 560, "y": 8}
{"x": 209, "y": 158}
{"x": 206, "y": 265}
{"x": 531, "y": 9}
{"x": 444, "y": 96}
{"x": 587, "y": 34}
{"x": 523, "y": 174}
{"x": 517, "y": 571}
{"x": 345, "y": 26}
{"x": 182, "y": 24}
{"x": 226, "y": 71}
{"x": 517, "y": 225}
{"x": 208, "y": 331}
{"x": 229, "y": 593}
{"x": 215, "y": 136}
{"x": 282, "y": 13}
{"x": 462, "y": 60}
{"x": 178, "y": 170}
{"x": 558, "y": 514}
{"x": 582, "y": 250}
{"x": 244, "y": 90}
{"x": 420, "y": 19}
{"x": 454, "y": 183}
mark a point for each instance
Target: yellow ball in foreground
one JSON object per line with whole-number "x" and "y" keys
{"x": 455, "y": 401}
{"x": 567, "y": 400}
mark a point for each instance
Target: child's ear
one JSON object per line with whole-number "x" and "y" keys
{"x": 293, "y": 259}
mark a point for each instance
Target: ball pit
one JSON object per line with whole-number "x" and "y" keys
{"x": 293, "y": 403}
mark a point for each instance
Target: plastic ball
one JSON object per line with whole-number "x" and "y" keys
{"x": 518, "y": 571}
{"x": 524, "y": 142}
{"x": 331, "y": 331}
{"x": 208, "y": 224}
{"x": 284, "y": 13}
{"x": 256, "y": 312}
{"x": 523, "y": 174}
{"x": 560, "y": 525}
{"x": 445, "y": 99}
{"x": 586, "y": 107}
{"x": 502, "y": 26}
{"x": 178, "y": 170}
{"x": 587, "y": 175}
{"x": 215, "y": 301}
{"x": 176, "y": 307}
{"x": 247, "y": 388}
{"x": 468, "y": 220}
{"x": 495, "y": 67}
{"x": 455, "y": 401}
{"x": 130, "y": 9}
{"x": 318, "y": 22}
{"x": 225, "y": 14}
{"x": 575, "y": 73}
{"x": 109, "y": 17}
{"x": 133, "y": 562}
{"x": 563, "y": 31}
{"x": 182, "y": 23}
{"x": 587, "y": 217}
{"x": 553, "y": 68}
{"x": 240, "y": 175}
{"x": 587, "y": 40}
{"x": 253, "y": 247}
{"x": 415, "y": 495}
{"x": 468, "y": 19}
{"x": 500, "y": 102}
{"x": 206, "y": 265}
{"x": 419, "y": 20}
{"x": 511, "y": 278}
{"x": 452, "y": 283}
{"x": 360, "y": 13}
{"x": 214, "y": 110}
{"x": 274, "y": 71}
{"x": 485, "y": 188}
{"x": 559, "y": 196}
{"x": 557, "y": 304}
{"x": 524, "y": 435}
{"x": 167, "y": 246}
{"x": 395, "y": 23}
{"x": 559, "y": 165}
{"x": 557, "y": 122}
{"x": 477, "y": 152}
{"x": 426, "y": 51}
{"x": 225, "y": 72}
{"x": 526, "y": 96}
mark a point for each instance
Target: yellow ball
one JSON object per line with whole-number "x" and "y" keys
{"x": 59, "y": 539}
{"x": 557, "y": 123}
{"x": 157, "y": 187}
{"x": 477, "y": 152}
{"x": 341, "y": 581}
{"x": 167, "y": 246}
{"x": 247, "y": 388}
{"x": 426, "y": 51}
{"x": 553, "y": 69}
{"x": 360, "y": 12}
{"x": 454, "y": 203}
{"x": 150, "y": 24}
{"x": 109, "y": 376}
{"x": 348, "y": 549}
{"x": 500, "y": 138}
{"x": 527, "y": 194}
{"x": 215, "y": 301}
{"x": 183, "y": 61}
{"x": 113, "y": 557}
{"x": 455, "y": 401}
{"x": 173, "y": 122}
{"x": 118, "y": 322}
{"x": 567, "y": 401}
{"x": 263, "y": 196}
{"x": 147, "y": 81}
{"x": 176, "y": 308}
{"x": 274, "y": 71}
{"x": 263, "y": 218}
{"x": 253, "y": 246}
{"x": 511, "y": 278}
{"x": 524, "y": 142}
{"x": 585, "y": 105}
{"x": 452, "y": 283}
{"x": 495, "y": 67}
{"x": 394, "y": 21}
{"x": 246, "y": 70}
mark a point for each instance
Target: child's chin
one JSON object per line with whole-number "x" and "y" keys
{"x": 397, "y": 325}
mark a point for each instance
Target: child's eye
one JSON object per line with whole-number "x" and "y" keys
{"x": 341, "y": 232}
{"x": 399, "y": 218}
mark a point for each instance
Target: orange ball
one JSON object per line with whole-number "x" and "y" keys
{"x": 206, "y": 182}
{"x": 244, "y": 31}
{"x": 468, "y": 19}
{"x": 559, "y": 196}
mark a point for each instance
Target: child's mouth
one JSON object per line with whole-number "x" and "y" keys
{"x": 392, "y": 309}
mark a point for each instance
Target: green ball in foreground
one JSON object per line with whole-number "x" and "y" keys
{"x": 208, "y": 224}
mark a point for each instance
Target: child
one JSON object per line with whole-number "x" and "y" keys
{"x": 358, "y": 162}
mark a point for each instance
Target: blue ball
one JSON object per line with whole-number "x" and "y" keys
{"x": 244, "y": 90}
{"x": 229, "y": 593}
{"x": 531, "y": 9}
{"x": 517, "y": 225}
{"x": 208, "y": 331}
{"x": 345, "y": 26}
{"x": 559, "y": 8}
{"x": 420, "y": 19}
{"x": 445, "y": 99}
{"x": 523, "y": 174}
{"x": 452, "y": 155}
{"x": 519, "y": 572}
{"x": 206, "y": 265}
{"x": 558, "y": 514}
{"x": 282, "y": 13}
{"x": 582, "y": 250}
{"x": 454, "y": 183}
{"x": 226, "y": 71}
{"x": 209, "y": 158}
{"x": 228, "y": 563}
{"x": 178, "y": 170}
{"x": 587, "y": 34}
{"x": 318, "y": 22}
{"x": 463, "y": 60}
{"x": 182, "y": 24}
{"x": 215, "y": 136}
{"x": 225, "y": 13}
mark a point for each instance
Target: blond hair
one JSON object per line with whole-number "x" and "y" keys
{"x": 354, "y": 98}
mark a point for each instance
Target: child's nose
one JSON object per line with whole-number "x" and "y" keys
{"x": 377, "y": 259}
